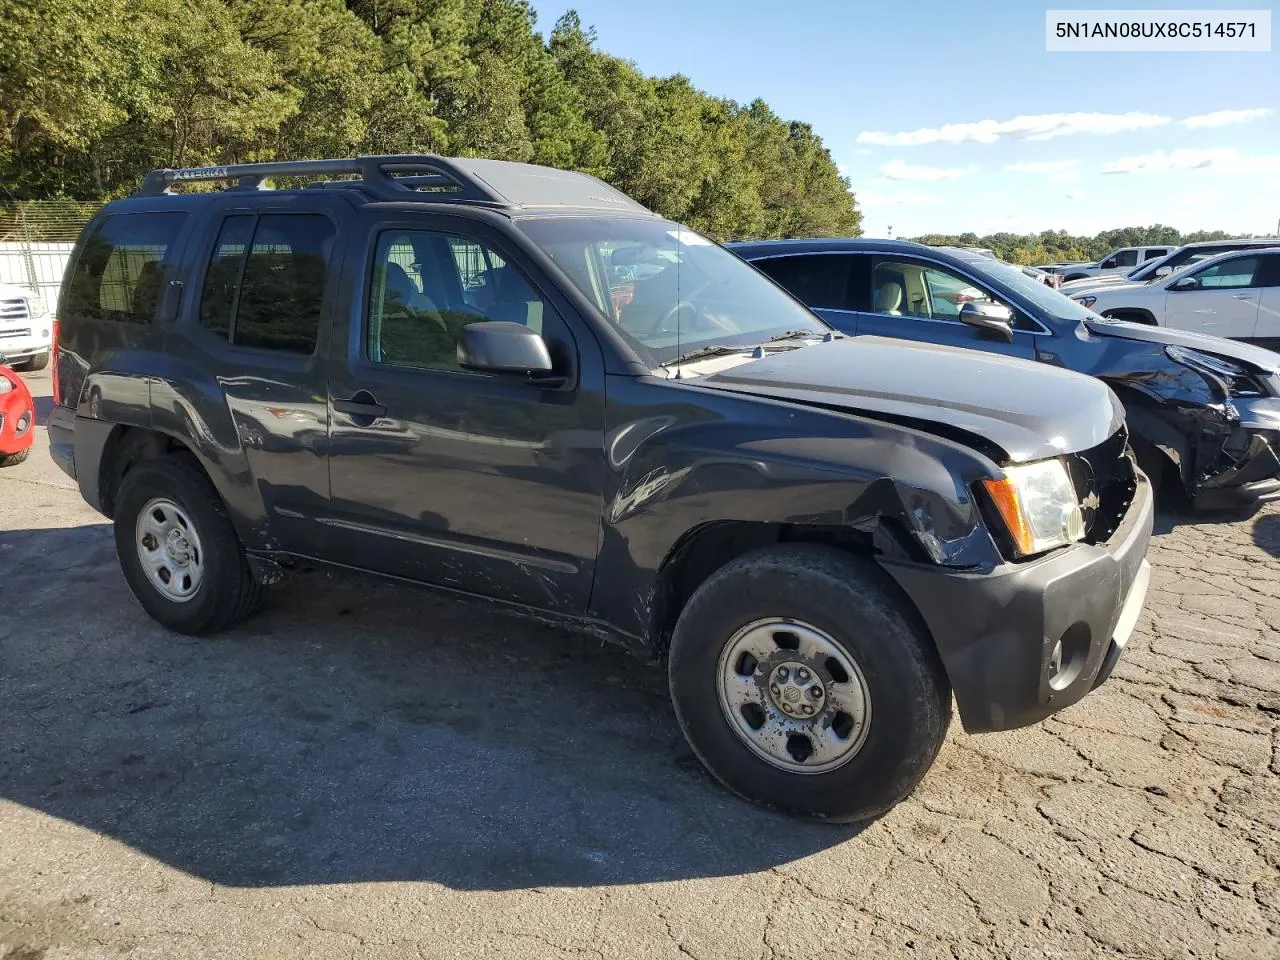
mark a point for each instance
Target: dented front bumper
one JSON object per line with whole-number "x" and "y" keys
{"x": 1251, "y": 473}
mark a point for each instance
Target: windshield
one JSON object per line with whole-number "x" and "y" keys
{"x": 668, "y": 290}
{"x": 1045, "y": 298}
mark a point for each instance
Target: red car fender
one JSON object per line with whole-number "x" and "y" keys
{"x": 17, "y": 414}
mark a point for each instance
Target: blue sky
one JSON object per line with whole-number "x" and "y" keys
{"x": 886, "y": 84}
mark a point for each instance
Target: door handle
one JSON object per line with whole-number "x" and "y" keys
{"x": 363, "y": 408}
{"x": 1242, "y": 296}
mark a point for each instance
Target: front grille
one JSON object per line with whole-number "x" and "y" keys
{"x": 1105, "y": 480}
{"x": 15, "y": 309}
{"x": 16, "y": 332}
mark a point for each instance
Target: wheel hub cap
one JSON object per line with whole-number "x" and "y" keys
{"x": 169, "y": 549}
{"x": 794, "y": 695}
{"x": 796, "y": 689}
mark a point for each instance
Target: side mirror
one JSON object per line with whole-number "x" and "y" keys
{"x": 994, "y": 319}
{"x": 493, "y": 346}
{"x": 1186, "y": 283}
{"x": 1163, "y": 271}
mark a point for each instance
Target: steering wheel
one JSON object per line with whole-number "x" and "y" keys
{"x": 679, "y": 306}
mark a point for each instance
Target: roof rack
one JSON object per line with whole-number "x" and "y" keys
{"x": 425, "y": 178}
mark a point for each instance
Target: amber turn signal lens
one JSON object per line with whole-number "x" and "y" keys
{"x": 1005, "y": 497}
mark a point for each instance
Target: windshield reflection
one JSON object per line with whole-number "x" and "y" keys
{"x": 668, "y": 290}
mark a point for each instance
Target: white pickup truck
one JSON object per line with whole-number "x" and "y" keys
{"x": 26, "y": 328}
{"x": 1117, "y": 261}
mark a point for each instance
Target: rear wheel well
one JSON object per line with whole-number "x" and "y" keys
{"x": 707, "y": 548}
{"x": 125, "y": 449}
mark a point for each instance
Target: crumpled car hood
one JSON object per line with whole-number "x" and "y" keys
{"x": 1257, "y": 358}
{"x": 1029, "y": 410}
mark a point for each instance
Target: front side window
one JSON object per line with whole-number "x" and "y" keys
{"x": 928, "y": 292}
{"x": 667, "y": 290}
{"x": 427, "y": 286}
{"x": 1229, "y": 274}
{"x": 265, "y": 283}
{"x": 120, "y": 273}
{"x": 819, "y": 280}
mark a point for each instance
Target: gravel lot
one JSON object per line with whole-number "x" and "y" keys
{"x": 369, "y": 771}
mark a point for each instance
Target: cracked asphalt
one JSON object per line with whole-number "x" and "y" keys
{"x": 370, "y": 771}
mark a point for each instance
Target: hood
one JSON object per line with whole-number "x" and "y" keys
{"x": 1029, "y": 410}
{"x": 1256, "y": 358}
{"x": 1088, "y": 283}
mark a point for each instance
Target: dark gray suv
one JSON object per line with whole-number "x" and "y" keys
{"x": 516, "y": 383}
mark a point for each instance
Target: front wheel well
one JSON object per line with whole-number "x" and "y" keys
{"x": 1132, "y": 314}
{"x": 125, "y": 449}
{"x": 707, "y": 548}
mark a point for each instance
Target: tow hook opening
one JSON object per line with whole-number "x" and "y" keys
{"x": 1067, "y": 658}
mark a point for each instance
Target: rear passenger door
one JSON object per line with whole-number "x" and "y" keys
{"x": 258, "y": 291}
{"x": 487, "y": 483}
{"x": 1267, "y": 331}
{"x": 818, "y": 280}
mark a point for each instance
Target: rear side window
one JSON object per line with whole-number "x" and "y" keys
{"x": 120, "y": 273}
{"x": 816, "y": 280}
{"x": 265, "y": 283}
{"x": 1155, "y": 254}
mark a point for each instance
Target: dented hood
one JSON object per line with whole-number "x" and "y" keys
{"x": 1029, "y": 410}
{"x": 1256, "y": 358}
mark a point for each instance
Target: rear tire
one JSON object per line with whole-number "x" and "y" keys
{"x": 195, "y": 578}
{"x": 881, "y": 706}
{"x": 13, "y": 459}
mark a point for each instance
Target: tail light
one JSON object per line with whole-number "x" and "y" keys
{"x": 53, "y": 366}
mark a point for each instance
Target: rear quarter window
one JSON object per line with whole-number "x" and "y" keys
{"x": 120, "y": 273}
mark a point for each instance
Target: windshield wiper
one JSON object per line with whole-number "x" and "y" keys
{"x": 756, "y": 349}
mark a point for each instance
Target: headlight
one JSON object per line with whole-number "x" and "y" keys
{"x": 5, "y": 385}
{"x": 38, "y": 307}
{"x": 1088, "y": 300}
{"x": 1240, "y": 382}
{"x": 1038, "y": 505}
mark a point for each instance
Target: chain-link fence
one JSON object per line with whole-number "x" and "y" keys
{"x": 36, "y": 239}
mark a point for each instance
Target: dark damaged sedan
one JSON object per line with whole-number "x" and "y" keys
{"x": 1203, "y": 412}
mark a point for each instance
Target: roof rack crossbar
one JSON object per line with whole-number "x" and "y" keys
{"x": 388, "y": 178}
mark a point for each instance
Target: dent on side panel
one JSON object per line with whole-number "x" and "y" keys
{"x": 673, "y": 468}
{"x": 188, "y": 403}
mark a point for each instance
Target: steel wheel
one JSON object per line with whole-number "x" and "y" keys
{"x": 794, "y": 695}
{"x": 170, "y": 550}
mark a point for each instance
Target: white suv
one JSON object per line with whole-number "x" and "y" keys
{"x": 1117, "y": 261}
{"x": 1235, "y": 295}
{"x": 26, "y": 328}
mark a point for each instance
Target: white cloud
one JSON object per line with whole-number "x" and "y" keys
{"x": 1216, "y": 159}
{"x": 1223, "y": 118}
{"x": 1076, "y": 194}
{"x": 1044, "y": 126}
{"x": 901, "y": 170}
{"x": 895, "y": 198}
{"x": 1056, "y": 171}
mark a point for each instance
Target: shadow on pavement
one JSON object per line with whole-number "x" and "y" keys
{"x": 1266, "y": 533}
{"x": 354, "y": 731}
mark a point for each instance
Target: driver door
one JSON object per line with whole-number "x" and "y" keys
{"x": 914, "y": 299}
{"x": 1223, "y": 302}
{"x": 487, "y": 483}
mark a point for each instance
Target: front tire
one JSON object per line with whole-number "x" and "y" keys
{"x": 13, "y": 459}
{"x": 37, "y": 362}
{"x": 178, "y": 550}
{"x": 803, "y": 679}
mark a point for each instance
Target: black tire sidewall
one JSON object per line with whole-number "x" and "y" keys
{"x": 861, "y": 609}
{"x": 173, "y": 478}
